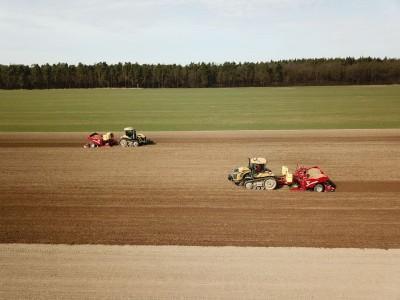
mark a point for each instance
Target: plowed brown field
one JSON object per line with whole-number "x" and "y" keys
{"x": 176, "y": 192}
{"x": 180, "y": 272}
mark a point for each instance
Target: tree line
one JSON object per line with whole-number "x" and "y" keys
{"x": 335, "y": 71}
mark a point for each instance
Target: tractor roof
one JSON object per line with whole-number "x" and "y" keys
{"x": 128, "y": 128}
{"x": 258, "y": 160}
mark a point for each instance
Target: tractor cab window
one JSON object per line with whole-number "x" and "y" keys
{"x": 131, "y": 133}
{"x": 259, "y": 168}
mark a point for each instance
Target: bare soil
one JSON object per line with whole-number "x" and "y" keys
{"x": 174, "y": 272}
{"x": 177, "y": 193}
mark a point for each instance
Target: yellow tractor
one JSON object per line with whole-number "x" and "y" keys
{"x": 255, "y": 176}
{"x": 132, "y": 139}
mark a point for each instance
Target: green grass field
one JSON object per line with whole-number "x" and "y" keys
{"x": 201, "y": 109}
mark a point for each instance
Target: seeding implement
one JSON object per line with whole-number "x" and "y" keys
{"x": 307, "y": 179}
{"x": 99, "y": 140}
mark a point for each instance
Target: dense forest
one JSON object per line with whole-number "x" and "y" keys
{"x": 338, "y": 71}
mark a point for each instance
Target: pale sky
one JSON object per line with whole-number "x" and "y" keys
{"x": 184, "y": 31}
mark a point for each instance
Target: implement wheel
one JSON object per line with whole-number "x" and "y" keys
{"x": 319, "y": 188}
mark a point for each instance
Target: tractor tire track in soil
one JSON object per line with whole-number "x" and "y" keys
{"x": 176, "y": 192}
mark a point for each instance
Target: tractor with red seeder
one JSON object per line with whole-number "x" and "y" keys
{"x": 257, "y": 176}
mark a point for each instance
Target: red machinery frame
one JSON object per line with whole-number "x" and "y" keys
{"x": 308, "y": 179}
{"x": 96, "y": 140}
